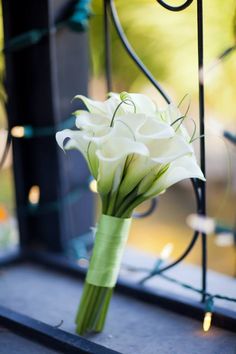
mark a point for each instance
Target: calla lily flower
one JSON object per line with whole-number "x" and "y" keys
{"x": 182, "y": 168}
{"x": 112, "y": 156}
{"x": 132, "y": 149}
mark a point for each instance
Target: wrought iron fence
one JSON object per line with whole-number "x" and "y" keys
{"x": 198, "y": 186}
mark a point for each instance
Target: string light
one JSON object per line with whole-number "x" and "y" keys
{"x": 225, "y": 239}
{"x": 29, "y": 131}
{"x": 208, "y": 314}
{"x": 166, "y": 251}
{"x": 93, "y": 186}
{"x": 77, "y": 21}
{"x": 207, "y": 321}
{"x": 18, "y": 132}
{"x": 201, "y": 223}
{"x": 164, "y": 255}
{"x": 34, "y": 195}
{"x": 83, "y": 262}
{"x": 225, "y": 235}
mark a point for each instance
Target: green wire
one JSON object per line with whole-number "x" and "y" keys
{"x": 178, "y": 282}
{"x": 37, "y": 132}
{"x": 78, "y": 21}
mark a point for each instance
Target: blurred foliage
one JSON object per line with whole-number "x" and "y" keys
{"x": 2, "y": 67}
{"x": 6, "y": 189}
{"x": 167, "y": 43}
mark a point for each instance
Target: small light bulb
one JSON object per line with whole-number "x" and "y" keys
{"x": 18, "y": 131}
{"x": 224, "y": 239}
{"x": 207, "y": 321}
{"x": 166, "y": 251}
{"x": 83, "y": 262}
{"x": 93, "y": 186}
{"x": 201, "y": 223}
{"x": 34, "y": 195}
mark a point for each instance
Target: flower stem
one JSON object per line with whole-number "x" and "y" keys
{"x": 93, "y": 308}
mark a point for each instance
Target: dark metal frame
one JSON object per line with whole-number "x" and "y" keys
{"x": 53, "y": 65}
{"x": 61, "y": 340}
{"x": 198, "y": 186}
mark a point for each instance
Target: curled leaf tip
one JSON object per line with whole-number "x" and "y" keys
{"x": 124, "y": 96}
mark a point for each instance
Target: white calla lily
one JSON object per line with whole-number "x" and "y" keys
{"x": 183, "y": 168}
{"x": 112, "y": 154}
{"x": 161, "y": 152}
{"x": 133, "y": 150}
{"x": 142, "y": 166}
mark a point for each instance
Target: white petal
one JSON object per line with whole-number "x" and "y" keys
{"x": 77, "y": 141}
{"x": 112, "y": 154}
{"x": 138, "y": 167}
{"x": 185, "y": 167}
{"x": 96, "y": 107}
{"x": 167, "y": 150}
{"x": 152, "y": 129}
{"x": 142, "y": 103}
{"x": 91, "y": 122}
{"x": 76, "y": 136}
{"x": 128, "y": 124}
{"x": 106, "y": 108}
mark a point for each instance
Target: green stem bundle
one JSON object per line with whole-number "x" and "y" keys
{"x": 110, "y": 241}
{"x": 93, "y": 308}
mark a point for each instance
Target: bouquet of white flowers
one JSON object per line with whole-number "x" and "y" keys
{"x": 135, "y": 152}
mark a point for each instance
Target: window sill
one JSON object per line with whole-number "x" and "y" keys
{"x": 132, "y": 326}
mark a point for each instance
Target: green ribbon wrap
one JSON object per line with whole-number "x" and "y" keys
{"x": 110, "y": 241}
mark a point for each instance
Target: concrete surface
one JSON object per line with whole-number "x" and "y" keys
{"x": 132, "y": 327}
{"x": 11, "y": 343}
